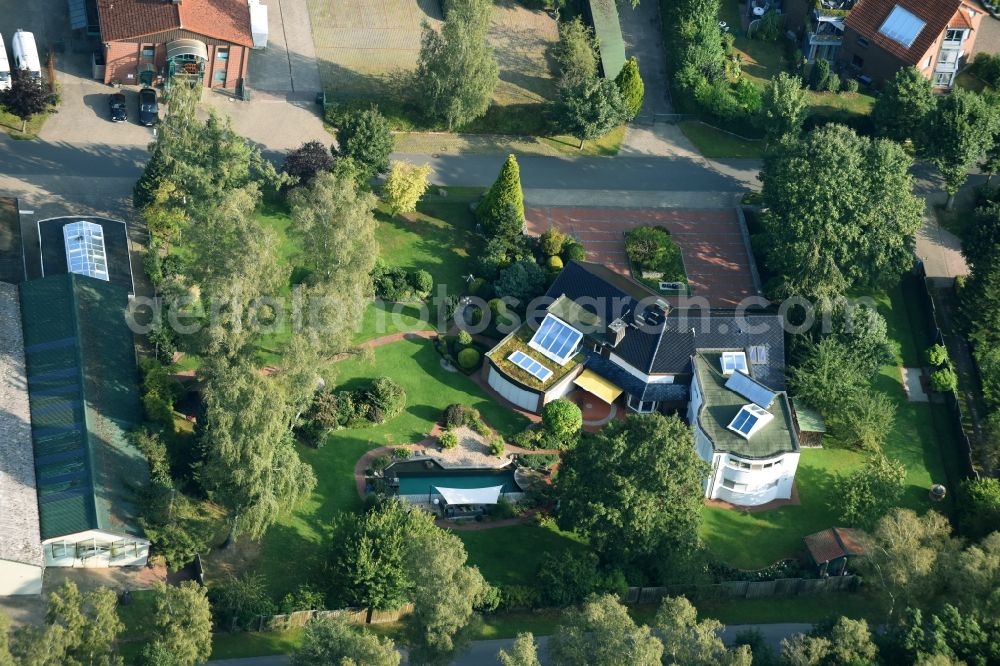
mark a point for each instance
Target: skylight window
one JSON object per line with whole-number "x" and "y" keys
{"x": 556, "y": 340}
{"x": 733, "y": 361}
{"x": 758, "y": 354}
{"x": 750, "y": 420}
{"x": 902, "y": 26}
{"x": 530, "y": 365}
{"x": 85, "y": 249}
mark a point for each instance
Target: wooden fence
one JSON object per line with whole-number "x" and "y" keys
{"x": 352, "y": 615}
{"x": 744, "y": 589}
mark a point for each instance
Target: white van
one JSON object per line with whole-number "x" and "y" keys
{"x": 4, "y": 67}
{"x": 25, "y": 53}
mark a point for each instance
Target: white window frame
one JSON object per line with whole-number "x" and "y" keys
{"x": 641, "y": 409}
{"x": 733, "y": 486}
{"x": 739, "y": 363}
{"x": 937, "y": 79}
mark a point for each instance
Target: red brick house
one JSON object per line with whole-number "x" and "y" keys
{"x": 935, "y": 36}
{"x": 208, "y": 41}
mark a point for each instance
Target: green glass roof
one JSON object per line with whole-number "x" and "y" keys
{"x": 608, "y": 31}
{"x": 720, "y": 405}
{"x": 82, "y": 386}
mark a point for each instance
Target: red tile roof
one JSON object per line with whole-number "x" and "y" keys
{"x": 960, "y": 20}
{"x": 225, "y": 20}
{"x": 834, "y": 543}
{"x": 868, "y": 16}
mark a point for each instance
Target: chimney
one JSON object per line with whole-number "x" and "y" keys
{"x": 615, "y": 332}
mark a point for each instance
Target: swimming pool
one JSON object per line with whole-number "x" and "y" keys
{"x": 423, "y": 482}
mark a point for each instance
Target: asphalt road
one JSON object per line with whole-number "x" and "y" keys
{"x": 483, "y": 653}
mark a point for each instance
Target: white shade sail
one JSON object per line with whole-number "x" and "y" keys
{"x": 470, "y": 495}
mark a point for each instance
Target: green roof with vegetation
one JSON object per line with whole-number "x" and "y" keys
{"x": 518, "y": 341}
{"x": 608, "y": 30}
{"x": 720, "y": 406}
{"x": 82, "y": 385}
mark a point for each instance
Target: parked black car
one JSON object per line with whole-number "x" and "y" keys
{"x": 116, "y": 108}
{"x": 149, "y": 112}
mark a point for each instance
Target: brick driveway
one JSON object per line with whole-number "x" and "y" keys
{"x": 716, "y": 257}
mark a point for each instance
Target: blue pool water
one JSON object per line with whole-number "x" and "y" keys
{"x": 421, "y": 483}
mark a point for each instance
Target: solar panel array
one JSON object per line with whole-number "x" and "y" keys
{"x": 902, "y": 26}
{"x": 530, "y": 365}
{"x": 85, "y": 250}
{"x": 751, "y": 390}
{"x": 556, "y": 340}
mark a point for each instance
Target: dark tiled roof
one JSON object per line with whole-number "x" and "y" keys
{"x": 667, "y": 347}
{"x": 634, "y": 386}
{"x": 226, "y": 20}
{"x": 82, "y": 386}
{"x": 868, "y": 16}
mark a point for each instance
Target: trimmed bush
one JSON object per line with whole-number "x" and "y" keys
{"x": 468, "y": 358}
{"x": 555, "y": 263}
{"x": 421, "y": 282}
{"x": 944, "y": 380}
{"x": 573, "y": 251}
{"x": 464, "y": 337}
{"x": 402, "y": 453}
{"x": 833, "y": 83}
{"x": 476, "y": 285}
{"x": 497, "y": 308}
{"x": 562, "y": 418}
{"x": 448, "y": 439}
{"x": 819, "y": 74}
{"x": 937, "y": 355}
{"x": 454, "y": 416}
{"x": 851, "y": 86}
{"x": 651, "y": 249}
{"x": 497, "y": 446}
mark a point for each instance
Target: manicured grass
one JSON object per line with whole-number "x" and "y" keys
{"x": 921, "y": 440}
{"x": 302, "y": 537}
{"x": 805, "y": 608}
{"x": 381, "y": 318}
{"x": 607, "y": 146}
{"x": 714, "y": 142}
{"x": 761, "y": 60}
{"x": 511, "y": 555}
{"x": 833, "y": 107}
{"x": 255, "y": 644}
{"x": 12, "y": 125}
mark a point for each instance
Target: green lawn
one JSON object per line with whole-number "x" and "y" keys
{"x": 921, "y": 440}
{"x": 511, "y": 555}
{"x": 714, "y": 142}
{"x": 761, "y": 60}
{"x": 415, "y": 364}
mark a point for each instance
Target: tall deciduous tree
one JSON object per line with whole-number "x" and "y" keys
{"x": 368, "y": 558}
{"x": 601, "y": 633}
{"x": 901, "y": 109}
{"x": 504, "y": 194}
{"x": 631, "y": 87}
{"x": 783, "y": 108}
{"x": 842, "y": 212}
{"x": 306, "y": 161}
{"x": 91, "y": 624}
{"x": 870, "y": 491}
{"x": 635, "y": 490}
{"x": 456, "y": 72}
{"x": 250, "y": 462}
{"x": 690, "y": 641}
{"x": 365, "y": 137}
{"x": 522, "y": 653}
{"x": 404, "y": 186}
{"x": 956, "y": 134}
{"x": 26, "y": 97}
{"x": 331, "y": 641}
{"x": 445, "y": 590}
{"x": 182, "y": 625}
{"x": 590, "y": 108}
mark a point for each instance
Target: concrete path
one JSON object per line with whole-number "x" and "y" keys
{"x": 483, "y": 653}
{"x": 644, "y": 40}
{"x": 913, "y": 384}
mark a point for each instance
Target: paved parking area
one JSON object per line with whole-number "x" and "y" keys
{"x": 716, "y": 257}
{"x": 288, "y": 64}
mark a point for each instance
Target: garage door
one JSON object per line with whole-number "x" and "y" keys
{"x": 515, "y": 394}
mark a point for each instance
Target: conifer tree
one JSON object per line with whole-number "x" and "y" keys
{"x": 633, "y": 90}
{"x": 505, "y": 193}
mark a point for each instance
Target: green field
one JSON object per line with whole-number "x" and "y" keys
{"x": 511, "y": 555}
{"x": 302, "y": 537}
{"x": 713, "y": 142}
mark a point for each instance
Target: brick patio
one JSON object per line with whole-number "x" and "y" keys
{"x": 715, "y": 255}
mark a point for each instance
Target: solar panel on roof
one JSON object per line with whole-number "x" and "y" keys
{"x": 749, "y": 420}
{"x": 902, "y": 26}
{"x": 555, "y": 339}
{"x": 530, "y": 365}
{"x": 751, "y": 390}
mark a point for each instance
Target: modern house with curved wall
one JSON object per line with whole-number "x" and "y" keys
{"x": 603, "y": 333}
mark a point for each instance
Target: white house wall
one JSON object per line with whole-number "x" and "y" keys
{"x": 639, "y": 374}
{"x": 129, "y": 551}
{"x": 761, "y": 485}
{"x": 17, "y": 578}
{"x": 527, "y": 400}
{"x": 563, "y": 388}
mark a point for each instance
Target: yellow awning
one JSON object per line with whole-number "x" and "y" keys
{"x": 599, "y": 386}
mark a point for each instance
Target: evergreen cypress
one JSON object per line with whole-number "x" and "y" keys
{"x": 630, "y": 84}
{"x": 504, "y": 194}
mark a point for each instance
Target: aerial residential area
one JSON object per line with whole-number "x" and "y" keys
{"x": 517, "y": 332}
